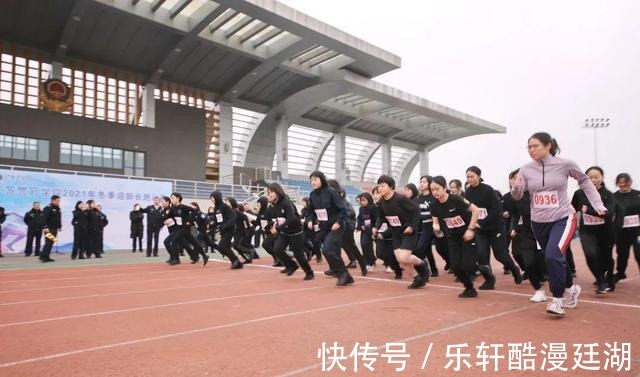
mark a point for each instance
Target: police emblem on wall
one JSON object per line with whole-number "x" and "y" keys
{"x": 56, "y": 95}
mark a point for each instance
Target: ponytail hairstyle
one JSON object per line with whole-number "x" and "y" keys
{"x": 476, "y": 170}
{"x": 546, "y": 139}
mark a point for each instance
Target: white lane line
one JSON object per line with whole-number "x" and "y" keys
{"x": 192, "y": 275}
{"x": 494, "y": 291}
{"x": 133, "y": 292}
{"x": 421, "y": 336}
{"x": 149, "y": 307}
{"x": 205, "y": 329}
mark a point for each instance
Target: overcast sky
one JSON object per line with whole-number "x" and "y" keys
{"x": 526, "y": 65}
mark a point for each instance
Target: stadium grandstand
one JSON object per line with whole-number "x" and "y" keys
{"x": 225, "y": 92}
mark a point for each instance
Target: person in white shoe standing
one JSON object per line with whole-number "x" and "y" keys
{"x": 553, "y": 220}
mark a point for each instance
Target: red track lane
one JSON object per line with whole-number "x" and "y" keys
{"x": 135, "y": 320}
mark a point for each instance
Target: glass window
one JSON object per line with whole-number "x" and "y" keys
{"x": 86, "y": 155}
{"x": 97, "y": 156}
{"x": 117, "y": 159}
{"x": 23, "y": 148}
{"x": 76, "y": 154}
{"x": 5, "y": 146}
{"x": 107, "y": 157}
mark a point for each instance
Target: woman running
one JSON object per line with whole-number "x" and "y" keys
{"x": 552, "y": 219}
{"x": 596, "y": 231}
{"x": 627, "y": 224}
{"x": 328, "y": 209}
{"x": 461, "y": 220}
{"x": 491, "y": 233}
{"x": 286, "y": 228}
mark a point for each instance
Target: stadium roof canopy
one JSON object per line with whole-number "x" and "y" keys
{"x": 259, "y": 55}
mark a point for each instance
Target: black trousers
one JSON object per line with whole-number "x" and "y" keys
{"x": 239, "y": 244}
{"x": 463, "y": 257}
{"x": 79, "y": 243}
{"x": 424, "y": 248}
{"x": 48, "y": 244}
{"x": 525, "y": 247}
{"x": 296, "y": 242}
{"x": 598, "y": 251}
{"x": 366, "y": 243}
{"x": 224, "y": 246}
{"x": 153, "y": 235}
{"x": 33, "y": 234}
{"x": 350, "y": 247}
{"x": 168, "y": 244}
{"x": 625, "y": 239}
{"x": 184, "y": 238}
{"x": 93, "y": 242}
{"x": 494, "y": 239}
{"x": 331, "y": 241}
{"x": 384, "y": 251}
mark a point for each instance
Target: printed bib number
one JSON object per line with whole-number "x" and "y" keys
{"x": 219, "y": 217}
{"x": 483, "y": 213}
{"x": 263, "y": 223}
{"x": 367, "y": 222}
{"x": 383, "y": 228}
{"x": 316, "y": 228}
{"x": 592, "y": 220}
{"x": 394, "y": 221}
{"x": 280, "y": 220}
{"x": 178, "y": 220}
{"x": 631, "y": 221}
{"x": 546, "y": 199}
{"x": 322, "y": 215}
{"x": 454, "y": 222}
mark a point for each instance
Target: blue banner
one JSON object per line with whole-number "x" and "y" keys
{"x": 19, "y": 189}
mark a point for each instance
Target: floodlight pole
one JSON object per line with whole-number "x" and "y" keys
{"x": 596, "y": 123}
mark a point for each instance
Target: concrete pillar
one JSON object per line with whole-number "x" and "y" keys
{"x": 341, "y": 163}
{"x": 149, "y": 106}
{"x": 56, "y": 70}
{"x": 386, "y": 158}
{"x": 226, "y": 142}
{"x": 282, "y": 147}
{"x": 424, "y": 161}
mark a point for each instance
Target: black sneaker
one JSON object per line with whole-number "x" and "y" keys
{"x": 603, "y": 288}
{"x": 236, "y": 265}
{"x": 291, "y": 271}
{"x": 489, "y": 279}
{"x": 309, "y": 276}
{"x": 434, "y": 273}
{"x": 330, "y": 273}
{"x": 398, "y": 276}
{"x": 418, "y": 282}
{"x": 517, "y": 277}
{"x": 352, "y": 264}
{"x": 205, "y": 259}
{"x": 619, "y": 276}
{"x": 468, "y": 293}
{"x": 344, "y": 279}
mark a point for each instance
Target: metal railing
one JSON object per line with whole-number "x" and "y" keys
{"x": 188, "y": 189}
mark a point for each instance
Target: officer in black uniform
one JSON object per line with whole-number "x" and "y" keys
{"x": 3, "y": 217}
{"x": 33, "y": 219}
{"x": 137, "y": 227}
{"x": 102, "y": 223}
{"x": 154, "y": 225}
{"x": 52, "y": 217}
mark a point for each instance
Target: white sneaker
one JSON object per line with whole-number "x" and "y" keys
{"x": 555, "y": 307}
{"x": 389, "y": 270}
{"x": 570, "y": 298}
{"x": 370, "y": 268}
{"x": 539, "y": 296}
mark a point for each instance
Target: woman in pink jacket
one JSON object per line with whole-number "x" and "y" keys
{"x": 552, "y": 218}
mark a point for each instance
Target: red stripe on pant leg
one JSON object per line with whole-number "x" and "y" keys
{"x": 571, "y": 223}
